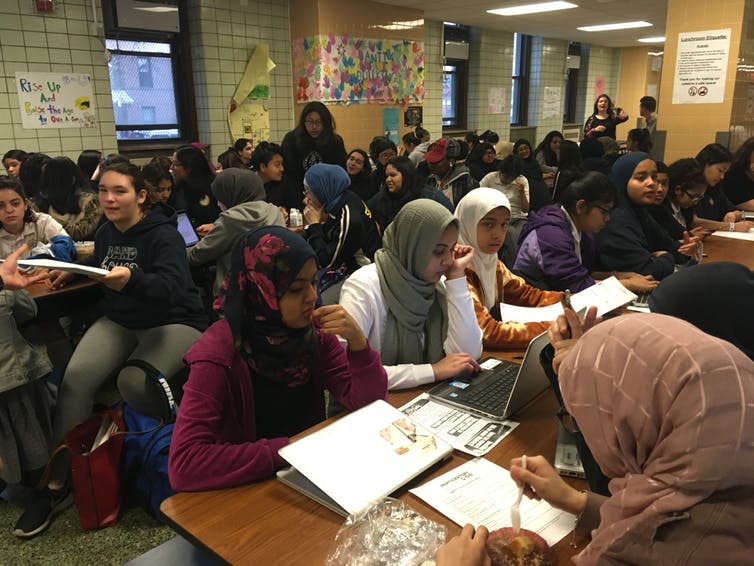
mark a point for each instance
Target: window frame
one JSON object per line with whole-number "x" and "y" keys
{"x": 520, "y": 79}
{"x": 461, "y": 93}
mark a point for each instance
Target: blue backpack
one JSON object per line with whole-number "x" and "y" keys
{"x": 145, "y": 450}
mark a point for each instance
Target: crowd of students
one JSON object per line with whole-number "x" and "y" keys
{"x": 394, "y": 280}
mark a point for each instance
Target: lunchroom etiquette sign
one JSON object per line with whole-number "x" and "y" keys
{"x": 55, "y": 100}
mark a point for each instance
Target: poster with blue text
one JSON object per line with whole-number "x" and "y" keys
{"x": 55, "y": 100}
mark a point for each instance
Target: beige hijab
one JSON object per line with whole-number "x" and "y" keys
{"x": 668, "y": 413}
{"x": 471, "y": 209}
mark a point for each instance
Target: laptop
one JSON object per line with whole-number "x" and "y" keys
{"x": 501, "y": 389}
{"x": 567, "y": 461}
{"x": 187, "y": 229}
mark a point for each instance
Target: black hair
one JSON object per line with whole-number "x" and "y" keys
{"x": 88, "y": 161}
{"x": 648, "y": 102}
{"x": 328, "y": 123}
{"x": 489, "y": 136}
{"x": 263, "y": 153}
{"x": 240, "y": 143}
{"x": 570, "y": 155}
{"x": 153, "y": 173}
{"x": 593, "y": 187}
{"x": 662, "y": 167}
{"x": 591, "y": 147}
{"x": 512, "y": 166}
{"x": 61, "y": 185}
{"x": 17, "y": 154}
{"x": 410, "y": 176}
{"x": 230, "y": 159}
{"x": 194, "y": 161}
{"x": 409, "y": 139}
{"x": 138, "y": 180}
{"x": 380, "y": 144}
{"x": 472, "y": 139}
{"x": 365, "y": 172}
{"x": 163, "y": 160}
{"x": 16, "y": 185}
{"x": 544, "y": 147}
{"x": 642, "y": 137}
{"x": 421, "y": 133}
{"x": 743, "y": 155}
{"x": 31, "y": 173}
{"x": 610, "y": 109}
{"x": 685, "y": 173}
{"x": 710, "y": 154}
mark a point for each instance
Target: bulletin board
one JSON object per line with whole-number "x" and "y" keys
{"x": 55, "y": 100}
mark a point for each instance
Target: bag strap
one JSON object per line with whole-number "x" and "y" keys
{"x": 156, "y": 375}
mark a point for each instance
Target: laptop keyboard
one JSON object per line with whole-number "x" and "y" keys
{"x": 642, "y": 300}
{"x": 495, "y": 394}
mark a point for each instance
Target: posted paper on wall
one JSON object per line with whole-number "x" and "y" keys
{"x": 481, "y": 493}
{"x": 55, "y": 100}
{"x": 701, "y": 66}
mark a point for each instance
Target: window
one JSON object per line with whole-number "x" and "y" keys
{"x": 572, "y": 83}
{"x": 454, "y": 94}
{"x": 141, "y": 78}
{"x": 520, "y": 82}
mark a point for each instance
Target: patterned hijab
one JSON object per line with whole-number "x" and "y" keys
{"x": 471, "y": 209}
{"x": 413, "y": 305}
{"x": 263, "y": 264}
{"x": 668, "y": 413}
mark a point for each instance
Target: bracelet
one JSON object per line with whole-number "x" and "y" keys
{"x": 731, "y": 227}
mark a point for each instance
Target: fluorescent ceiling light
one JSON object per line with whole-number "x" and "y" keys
{"x": 655, "y": 53}
{"x": 611, "y": 27}
{"x": 532, "y": 8}
{"x": 658, "y": 39}
{"x": 158, "y": 9}
{"x": 395, "y": 26}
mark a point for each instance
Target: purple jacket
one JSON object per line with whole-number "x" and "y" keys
{"x": 547, "y": 251}
{"x": 215, "y": 444}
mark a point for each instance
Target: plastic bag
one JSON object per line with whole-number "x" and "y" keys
{"x": 389, "y": 533}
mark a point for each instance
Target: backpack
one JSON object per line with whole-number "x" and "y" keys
{"x": 145, "y": 450}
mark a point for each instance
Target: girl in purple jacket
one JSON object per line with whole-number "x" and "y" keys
{"x": 258, "y": 376}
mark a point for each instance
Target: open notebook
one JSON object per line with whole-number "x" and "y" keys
{"x": 361, "y": 458}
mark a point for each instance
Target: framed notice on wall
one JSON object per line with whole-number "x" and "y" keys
{"x": 701, "y": 66}
{"x": 55, "y": 100}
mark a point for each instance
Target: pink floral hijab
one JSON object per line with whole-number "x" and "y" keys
{"x": 668, "y": 413}
{"x": 263, "y": 264}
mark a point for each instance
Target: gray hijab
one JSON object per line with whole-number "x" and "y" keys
{"x": 413, "y": 305}
{"x": 235, "y": 186}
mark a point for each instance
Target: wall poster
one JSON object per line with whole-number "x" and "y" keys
{"x": 55, "y": 100}
{"x": 701, "y": 66}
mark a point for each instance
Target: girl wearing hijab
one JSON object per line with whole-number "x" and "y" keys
{"x": 539, "y": 195}
{"x": 240, "y": 195}
{"x": 403, "y": 183}
{"x": 258, "y": 376}
{"x": 675, "y": 440}
{"x": 483, "y": 216}
{"x": 413, "y": 304}
{"x": 339, "y": 225}
{"x": 632, "y": 240}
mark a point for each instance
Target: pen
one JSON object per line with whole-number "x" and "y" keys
{"x": 566, "y": 302}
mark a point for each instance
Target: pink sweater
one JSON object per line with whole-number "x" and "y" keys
{"x": 215, "y": 443}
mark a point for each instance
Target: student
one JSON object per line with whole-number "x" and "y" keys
{"x": 556, "y": 247}
{"x": 715, "y": 211}
{"x": 151, "y": 312}
{"x": 451, "y": 178}
{"x": 569, "y": 168}
{"x": 675, "y": 214}
{"x": 381, "y": 150}
{"x": 88, "y": 161}
{"x": 547, "y": 155}
{"x": 19, "y": 224}
{"x": 243, "y": 149}
{"x": 639, "y": 139}
{"x": 240, "y": 194}
{"x": 539, "y": 195}
{"x": 632, "y": 240}
{"x": 483, "y": 216}
{"x": 30, "y": 172}
{"x": 357, "y": 167}
{"x": 705, "y": 295}
{"x": 258, "y": 376}
{"x": 402, "y": 185}
{"x": 409, "y": 141}
{"x": 12, "y": 160}
{"x": 604, "y": 119}
{"x": 267, "y": 162}
{"x": 339, "y": 227}
{"x": 672, "y": 438}
{"x": 160, "y": 182}
{"x": 412, "y": 303}
{"x": 11, "y": 277}
{"x": 417, "y": 154}
{"x": 482, "y": 160}
{"x": 192, "y": 192}
{"x": 738, "y": 184}
{"x": 66, "y": 197}
{"x": 647, "y": 111}
{"x": 312, "y": 141}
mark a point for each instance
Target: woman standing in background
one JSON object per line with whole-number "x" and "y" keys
{"x": 604, "y": 119}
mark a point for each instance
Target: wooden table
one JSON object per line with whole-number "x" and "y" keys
{"x": 720, "y": 248}
{"x": 270, "y": 523}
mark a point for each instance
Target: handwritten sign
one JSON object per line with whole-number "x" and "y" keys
{"x": 55, "y": 100}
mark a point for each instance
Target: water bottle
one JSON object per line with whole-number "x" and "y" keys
{"x": 294, "y": 218}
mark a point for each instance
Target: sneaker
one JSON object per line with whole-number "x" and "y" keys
{"x": 40, "y": 511}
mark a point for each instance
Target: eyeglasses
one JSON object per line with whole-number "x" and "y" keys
{"x": 567, "y": 420}
{"x": 694, "y": 197}
{"x": 606, "y": 212}
{"x": 313, "y": 123}
{"x": 356, "y": 160}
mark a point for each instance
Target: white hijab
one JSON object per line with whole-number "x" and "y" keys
{"x": 470, "y": 210}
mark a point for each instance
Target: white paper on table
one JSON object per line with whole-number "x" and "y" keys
{"x": 464, "y": 431}
{"x": 607, "y": 295}
{"x": 530, "y": 314}
{"x": 735, "y": 235}
{"x": 481, "y": 493}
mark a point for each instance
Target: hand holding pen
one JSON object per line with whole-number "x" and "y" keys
{"x": 565, "y": 330}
